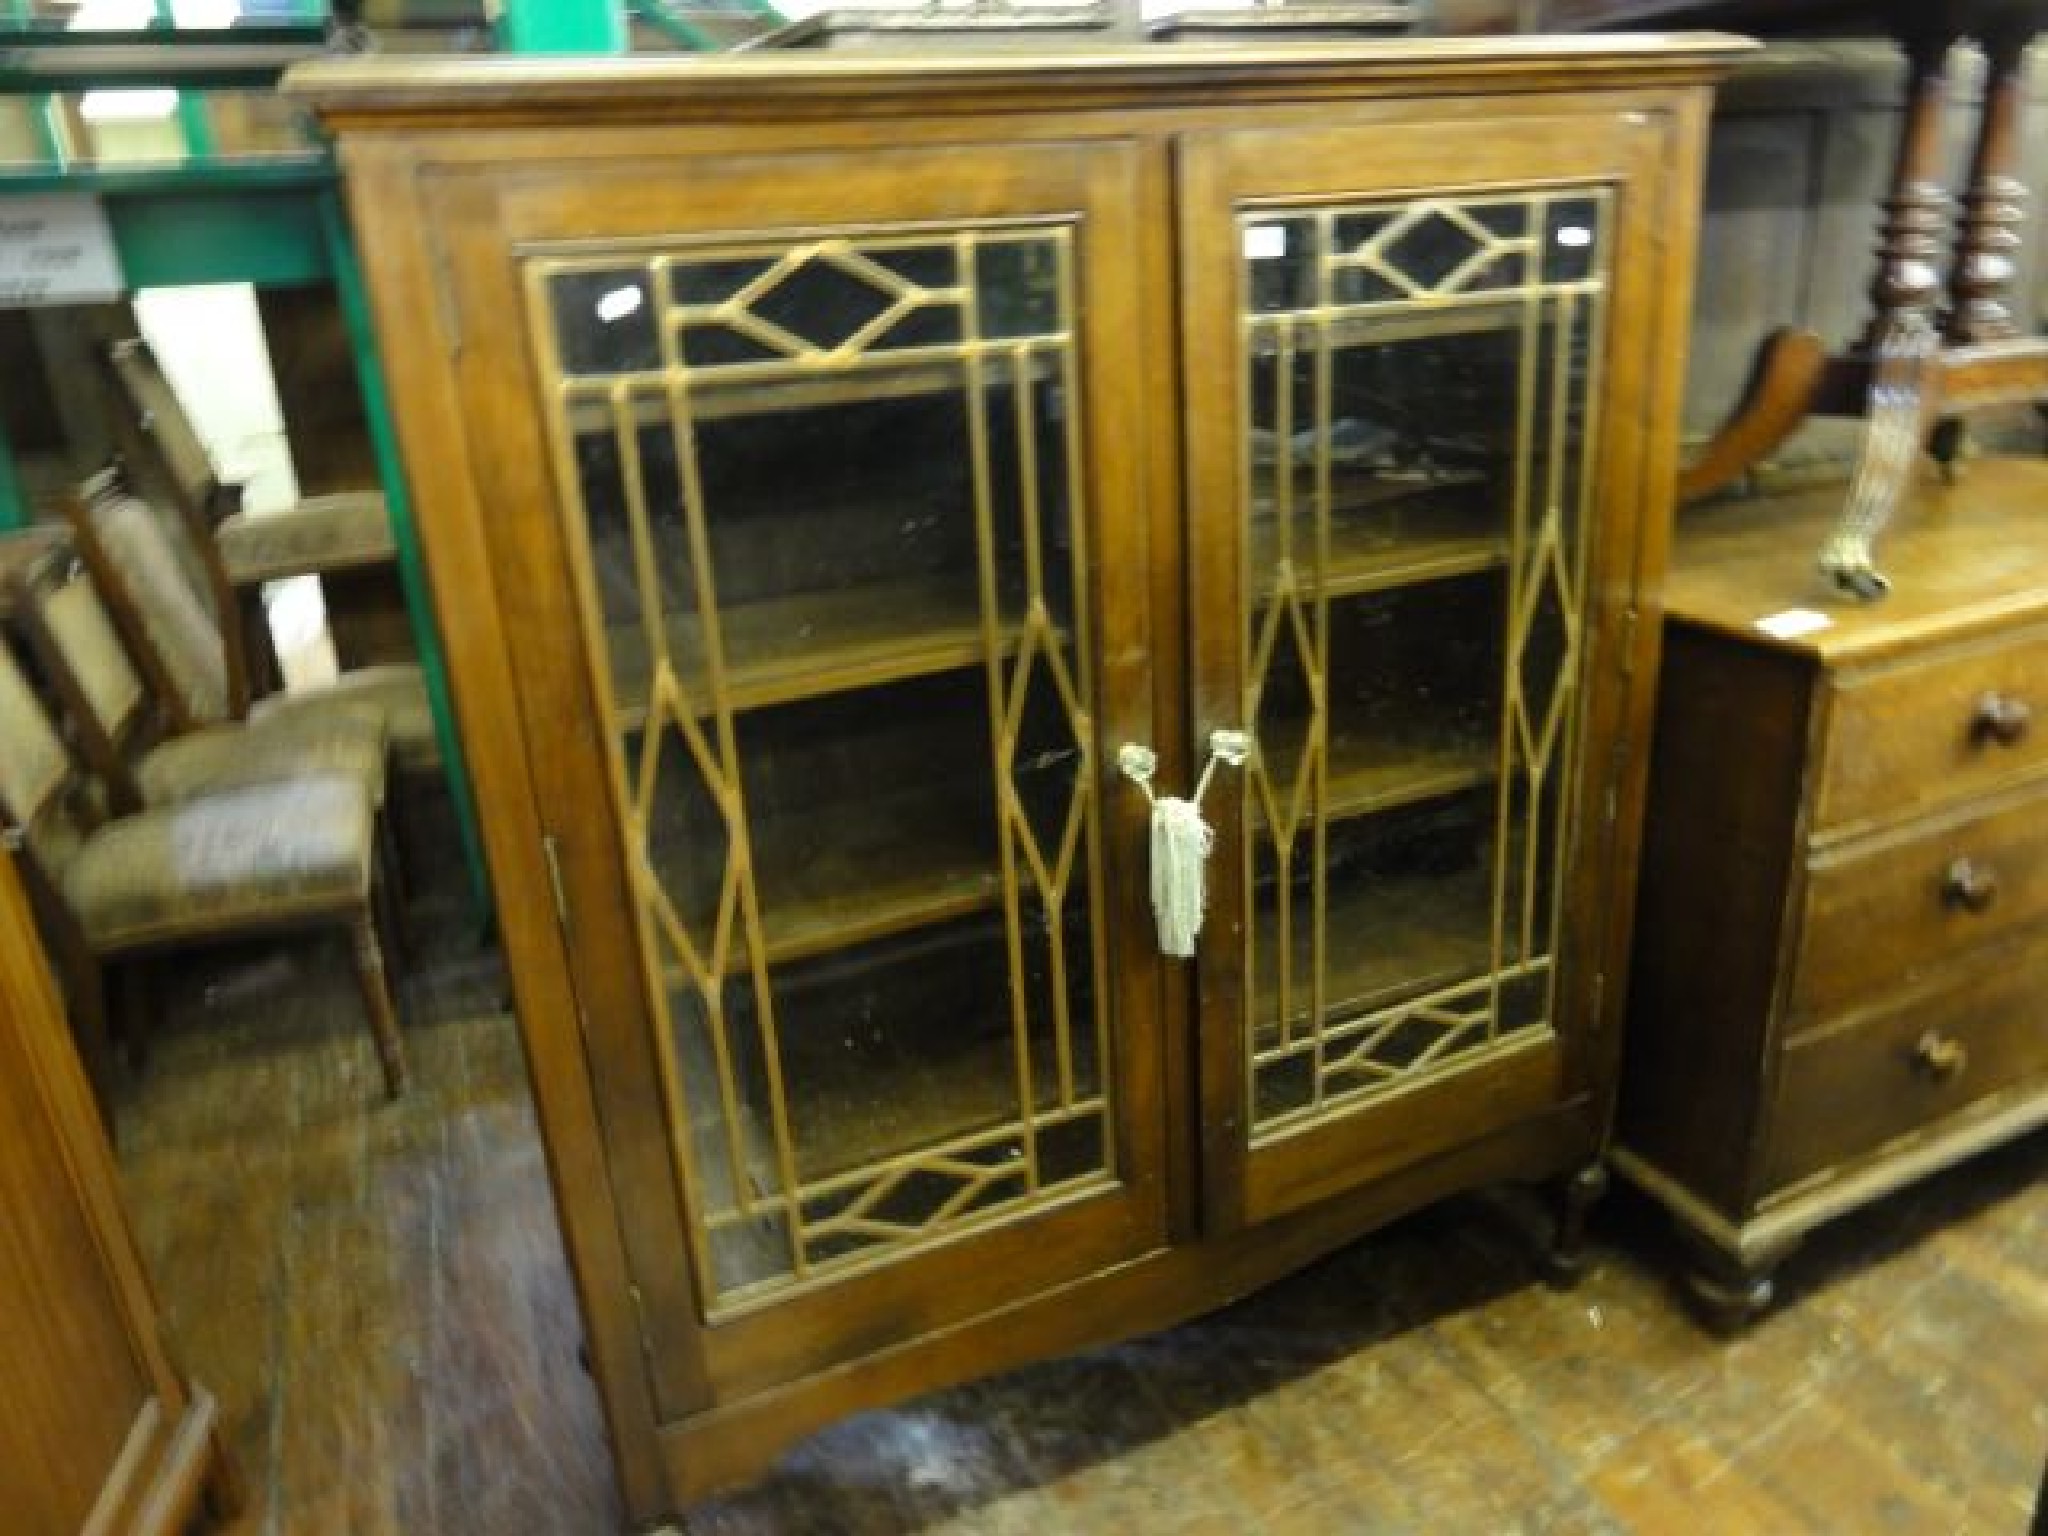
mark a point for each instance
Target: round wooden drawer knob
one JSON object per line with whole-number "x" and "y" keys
{"x": 2000, "y": 718}
{"x": 1969, "y": 885}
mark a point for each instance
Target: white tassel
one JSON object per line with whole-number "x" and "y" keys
{"x": 1181, "y": 841}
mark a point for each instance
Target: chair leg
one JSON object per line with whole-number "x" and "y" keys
{"x": 377, "y": 1002}
{"x": 133, "y": 1016}
{"x": 384, "y": 913}
{"x": 88, "y": 999}
{"x": 391, "y": 864}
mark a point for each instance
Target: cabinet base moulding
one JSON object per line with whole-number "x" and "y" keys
{"x": 735, "y": 1443}
{"x": 1751, "y": 1250}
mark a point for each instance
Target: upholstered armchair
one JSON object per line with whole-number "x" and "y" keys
{"x": 275, "y": 857}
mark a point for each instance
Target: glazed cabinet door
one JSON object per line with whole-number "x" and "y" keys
{"x": 1413, "y": 552}
{"x": 836, "y": 451}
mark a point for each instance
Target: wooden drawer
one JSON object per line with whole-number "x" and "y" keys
{"x": 1844, "y": 1093}
{"x": 1943, "y": 728}
{"x": 1879, "y": 914}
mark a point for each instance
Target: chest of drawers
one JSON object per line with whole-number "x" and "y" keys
{"x": 1841, "y": 963}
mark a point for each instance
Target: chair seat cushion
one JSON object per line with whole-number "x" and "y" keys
{"x": 394, "y": 695}
{"x": 346, "y": 745}
{"x": 322, "y": 533}
{"x": 258, "y": 857}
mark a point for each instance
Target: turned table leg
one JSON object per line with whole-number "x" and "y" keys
{"x": 1992, "y": 228}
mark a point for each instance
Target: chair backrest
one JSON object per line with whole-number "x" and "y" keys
{"x": 37, "y": 776}
{"x": 166, "y": 462}
{"x": 154, "y": 427}
{"x": 174, "y": 639}
{"x": 74, "y": 640}
{"x": 34, "y": 767}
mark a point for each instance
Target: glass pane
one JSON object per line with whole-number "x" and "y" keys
{"x": 837, "y": 560}
{"x": 603, "y": 322}
{"x": 194, "y": 19}
{"x": 1418, "y": 379}
{"x": 152, "y": 126}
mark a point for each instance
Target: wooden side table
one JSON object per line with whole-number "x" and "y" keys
{"x": 1929, "y": 356}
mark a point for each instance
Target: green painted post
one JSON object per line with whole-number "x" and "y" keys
{"x": 213, "y": 228}
{"x": 672, "y": 26}
{"x": 15, "y": 511}
{"x": 196, "y": 125}
{"x": 564, "y": 26}
{"x": 193, "y": 123}
{"x": 355, "y": 313}
{"x": 14, "y": 507}
{"x": 43, "y": 115}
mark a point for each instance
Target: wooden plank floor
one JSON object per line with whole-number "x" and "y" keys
{"x": 377, "y": 1294}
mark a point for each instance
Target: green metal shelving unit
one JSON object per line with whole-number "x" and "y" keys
{"x": 212, "y": 218}
{"x": 277, "y": 220}
{"x": 563, "y": 26}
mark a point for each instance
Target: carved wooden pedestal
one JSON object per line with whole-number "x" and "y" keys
{"x": 1922, "y": 365}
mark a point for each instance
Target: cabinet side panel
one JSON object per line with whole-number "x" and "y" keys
{"x": 409, "y": 279}
{"x": 74, "y": 1385}
{"x": 1636, "y": 642}
{"x": 1725, "y": 786}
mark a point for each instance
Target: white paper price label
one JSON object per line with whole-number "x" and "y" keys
{"x": 1794, "y": 622}
{"x": 1265, "y": 242}
{"x": 55, "y": 248}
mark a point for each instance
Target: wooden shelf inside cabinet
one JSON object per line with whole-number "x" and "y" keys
{"x": 843, "y": 876}
{"x": 1374, "y": 773}
{"x": 1388, "y": 533}
{"x": 953, "y": 1102}
{"x": 809, "y": 645}
{"x": 925, "y": 1098}
{"x": 1392, "y": 940}
{"x": 1375, "y": 770}
{"x": 884, "y": 378}
{"x": 723, "y": 397}
{"x": 919, "y": 1080}
{"x": 1472, "y": 317}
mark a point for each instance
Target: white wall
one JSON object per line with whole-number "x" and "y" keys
{"x": 210, "y": 342}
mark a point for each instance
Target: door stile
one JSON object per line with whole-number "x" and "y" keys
{"x": 1213, "y": 381}
{"x": 407, "y": 260}
{"x": 500, "y": 381}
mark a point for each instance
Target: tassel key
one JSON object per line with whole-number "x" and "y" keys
{"x": 1181, "y": 839}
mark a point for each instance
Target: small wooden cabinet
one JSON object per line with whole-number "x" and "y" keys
{"x": 1842, "y": 946}
{"x": 826, "y": 467}
{"x": 98, "y": 1430}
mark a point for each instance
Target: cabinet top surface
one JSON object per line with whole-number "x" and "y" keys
{"x": 444, "y": 91}
{"x": 1961, "y": 558}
